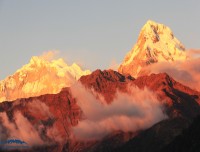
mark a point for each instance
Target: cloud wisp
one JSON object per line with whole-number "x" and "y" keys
{"x": 50, "y": 55}
{"x": 135, "y": 111}
{"x": 35, "y": 133}
{"x": 186, "y": 72}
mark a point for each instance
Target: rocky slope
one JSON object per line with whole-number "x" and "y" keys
{"x": 44, "y": 122}
{"x": 157, "y": 137}
{"x": 39, "y": 77}
{"x": 52, "y": 116}
{"x": 188, "y": 140}
{"x": 172, "y": 135}
{"x": 181, "y": 105}
{"x": 180, "y": 99}
{"x": 106, "y": 83}
{"x": 156, "y": 43}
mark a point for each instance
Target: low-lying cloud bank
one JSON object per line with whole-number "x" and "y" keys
{"x": 186, "y": 72}
{"x": 128, "y": 112}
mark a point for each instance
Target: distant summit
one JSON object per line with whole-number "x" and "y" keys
{"x": 39, "y": 77}
{"x": 156, "y": 43}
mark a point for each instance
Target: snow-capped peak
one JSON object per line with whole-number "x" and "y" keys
{"x": 156, "y": 43}
{"x": 36, "y": 60}
{"x": 39, "y": 61}
{"x": 40, "y": 77}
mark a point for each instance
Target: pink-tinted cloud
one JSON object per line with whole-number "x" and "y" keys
{"x": 39, "y": 108}
{"x": 186, "y": 72}
{"x": 113, "y": 65}
{"x": 50, "y": 55}
{"x": 193, "y": 53}
{"x": 128, "y": 112}
{"x": 33, "y": 134}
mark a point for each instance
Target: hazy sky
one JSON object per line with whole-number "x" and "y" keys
{"x": 93, "y": 33}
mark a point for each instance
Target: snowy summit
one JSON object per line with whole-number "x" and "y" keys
{"x": 156, "y": 43}
{"x": 39, "y": 77}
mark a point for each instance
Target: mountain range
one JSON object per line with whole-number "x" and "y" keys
{"x": 56, "y": 108}
{"x": 39, "y": 77}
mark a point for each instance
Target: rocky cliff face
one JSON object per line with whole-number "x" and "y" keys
{"x": 106, "y": 82}
{"x": 156, "y": 43}
{"x": 39, "y": 77}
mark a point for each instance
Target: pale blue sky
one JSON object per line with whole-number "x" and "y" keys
{"x": 90, "y": 32}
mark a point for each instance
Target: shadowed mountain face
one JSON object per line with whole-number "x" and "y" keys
{"x": 52, "y": 116}
{"x": 156, "y": 137}
{"x": 188, "y": 140}
{"x": 173, "y": 135}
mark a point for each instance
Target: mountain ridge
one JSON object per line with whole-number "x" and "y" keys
{"x": 64, "y": 111}
{"x": 39, "y": 77}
